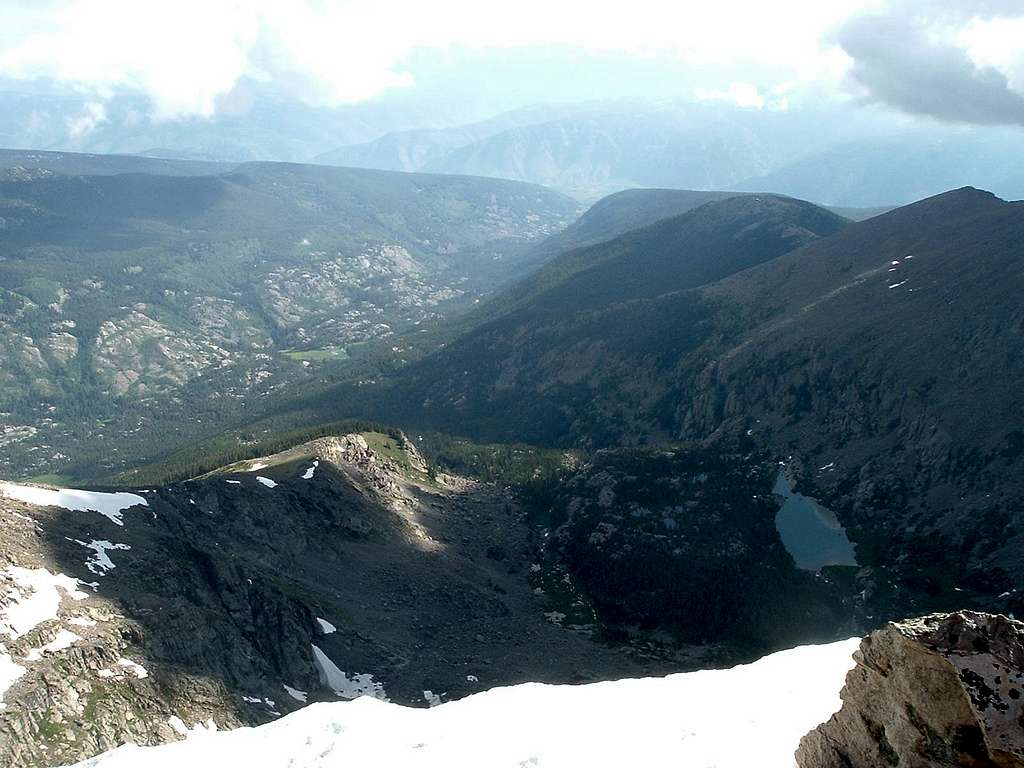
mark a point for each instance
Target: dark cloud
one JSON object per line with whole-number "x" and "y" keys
{"x": 900, "y": 64}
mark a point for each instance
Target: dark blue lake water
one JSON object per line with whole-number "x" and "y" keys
{"x": 810, "y": 532}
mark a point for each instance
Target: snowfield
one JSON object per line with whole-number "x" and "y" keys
{"x": 752, "y": 715}
{"x": 33, "y": 596}
{"x": 110, "y": 505}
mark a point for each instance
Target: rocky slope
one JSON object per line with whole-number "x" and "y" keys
{"x": 565, "y": 353}
{"x": 680, "y": 542}
{"x": 848, "y": 357}
{"x": 130, "y": 300}
{"x": 944, "y": 690}
{"x": 328, "y": 571}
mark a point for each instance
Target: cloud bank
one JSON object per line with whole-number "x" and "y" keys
{"x": 955, "y": 60}
{"x": 187, "y": 56}
{"x": 943, "y": 59}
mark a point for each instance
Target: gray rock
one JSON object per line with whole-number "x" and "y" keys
{"x": 942, "y": 690}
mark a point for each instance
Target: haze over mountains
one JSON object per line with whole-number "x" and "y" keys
{"x": 834, "y": 155}
{"x": 540, "y": 384}
{"x": 827, "y": 157}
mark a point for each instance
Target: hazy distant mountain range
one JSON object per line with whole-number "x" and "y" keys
{"x": 833, "y": 156}
{"x": 815, "y": 158}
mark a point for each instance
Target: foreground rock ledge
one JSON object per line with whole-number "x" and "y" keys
{"x": 943, "y": 690}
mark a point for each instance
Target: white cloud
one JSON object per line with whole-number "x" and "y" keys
{"x": 92, "y": 115}
{"x": 951, "y": 60}
{"x": 997, "y": 43}
{"x": 740, "y": 94}
{"x": 188, "y": 55}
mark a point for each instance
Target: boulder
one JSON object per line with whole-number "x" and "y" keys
{"x": 942, "y": 690}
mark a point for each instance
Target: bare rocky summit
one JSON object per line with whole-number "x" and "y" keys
{"x": 942, "y": 690}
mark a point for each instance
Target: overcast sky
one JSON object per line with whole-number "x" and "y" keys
{"x": 959, "y": 61}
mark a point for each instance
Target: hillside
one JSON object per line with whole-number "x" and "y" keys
{"x": 137, "y": 298}
{"x": 679, "y": 252}
{"x": 15, "y": 163}
{"x": 565, "y": 251}
{"x": 847, "y": 357}
{"x": 620, "y": 212}
{"x": 335, "y": 568}
{"x": 527, "y": 373}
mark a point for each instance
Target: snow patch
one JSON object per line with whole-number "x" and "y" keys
{"x": 308, "y": 474}
{"x": 64, "y": 640}
{"x": 689, "y": 719}
{"x": 432, "y": 699}
{"x": 140, "y": 671}
{"x": 266, "y": 481}
{"x": 326, "y": 627}
{"x": 296, "y": 694}
{"x": 183, "y": 730}
{"x": 110, "y": 505}
{"x": 100, "y": 563}
{"x": 33, "y": 598}
{"x": 9, "y": 672}
{"x": 896, "y": 285}
{"x": 126, "y": 665}
{"x": 343, "y": 686}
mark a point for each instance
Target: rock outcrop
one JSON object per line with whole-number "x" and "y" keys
{"x": 338, "y": 567}
{"x": 943, "y": 690}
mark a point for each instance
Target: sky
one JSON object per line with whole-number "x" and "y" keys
{"x": 956, "y": 61}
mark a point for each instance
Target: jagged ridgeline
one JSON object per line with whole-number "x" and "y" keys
{"x": 161, "y": 298}
{"x": 338, "y": 567}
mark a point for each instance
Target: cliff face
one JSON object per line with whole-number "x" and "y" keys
{"x": 943, "y": 690}
{"x": 334, "y": 569}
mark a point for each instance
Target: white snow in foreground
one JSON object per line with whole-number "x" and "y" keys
{"x": 308, "y": 474}
{"x": 346, "y": 687}
{"x": 110, "y": 505}
{"x": 752, "y": 715}
{"x": 100, "y": 561}
{"x": 326, "y": 627}
{"x": 266, "y": 481}
{"x": 234, "y": 482}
